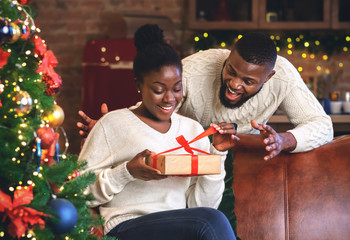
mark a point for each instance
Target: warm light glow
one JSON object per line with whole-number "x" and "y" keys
{"x": 290, "y": 45}
{"x": 345, "y": 49}
{"x": 290, "y": 52}
{"x": 278, "y": 49}
{"x": 300, "y": 69}
{"x": 319, "y": 68}
{"x": 103, "y": 49}
{"x": 306, "y": 44}
{"x": 196, "y": 39}
{"x": 304, "y": 55}
{"x": 317, "y": 42}
{"x": 312, "y": 56}
{"x": 341, "y": 64}
{"x": 289, "y": 40}
{"x": 205, "y": 35}
{"x": 223, "y": 44}
{"x": 325, "y": 57}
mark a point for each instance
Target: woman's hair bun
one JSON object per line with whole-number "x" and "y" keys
{"x": 146, "y": 35}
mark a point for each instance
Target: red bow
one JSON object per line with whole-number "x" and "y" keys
{"x": 20, "y": 216}
{"x": 186, "y": 145}
{"x": 40, "y": 46}
{"x": 3, "y": 57}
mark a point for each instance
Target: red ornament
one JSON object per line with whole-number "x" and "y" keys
{"x": 47, "y": 137}
{"x": 73, "y": 175}
{"x": 53, "y": 83}
{"x": 19, "y": 215}
{"x": 3, "y": 58}
{"x": 23, "y": 1}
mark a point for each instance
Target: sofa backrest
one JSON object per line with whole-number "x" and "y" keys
{"x": 293, "y": 196}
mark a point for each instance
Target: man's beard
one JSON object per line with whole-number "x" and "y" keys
{"x": 227, "y": 104}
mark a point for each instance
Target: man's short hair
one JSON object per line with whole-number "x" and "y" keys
{"x": 257, "y": 48}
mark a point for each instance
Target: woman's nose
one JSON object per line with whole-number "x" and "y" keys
{"x": 169, "y": 97}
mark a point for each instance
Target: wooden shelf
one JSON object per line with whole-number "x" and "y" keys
{"x": 341, "y": 118}
{"x": 330, "y": 19}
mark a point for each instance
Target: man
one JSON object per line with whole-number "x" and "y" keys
{"x": 246, "y": 86}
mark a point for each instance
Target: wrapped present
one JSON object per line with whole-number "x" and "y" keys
{"x": 183, "y": 164}
{"x": 187, "y": 164}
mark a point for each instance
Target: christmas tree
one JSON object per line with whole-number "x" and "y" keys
{"x": 42, "y": 193}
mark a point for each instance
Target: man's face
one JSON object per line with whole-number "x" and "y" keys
{"x": 241, "y": 80}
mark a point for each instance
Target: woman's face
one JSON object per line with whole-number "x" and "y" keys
{"x": 161, "y": 92}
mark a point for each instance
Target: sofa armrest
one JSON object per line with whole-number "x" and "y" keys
{"x": 292, "y": 196}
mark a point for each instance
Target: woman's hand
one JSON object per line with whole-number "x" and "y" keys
{"x": 138, "y": 168}
{"x": 225, "y": 138}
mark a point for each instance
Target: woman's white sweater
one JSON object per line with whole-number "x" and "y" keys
{"x": 117, "y": 138}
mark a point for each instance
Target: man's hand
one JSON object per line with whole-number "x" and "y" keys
{"x": 275, "y": 142}
{"x": 139, "y": 169}
{"x": 87, "y": 123}
{"x": 225, "y": 138}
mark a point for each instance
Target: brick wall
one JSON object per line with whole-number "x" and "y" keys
{"x": 68, "y": 24}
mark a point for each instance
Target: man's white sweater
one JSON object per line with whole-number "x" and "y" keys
{"x": 116, "y": 139}
{"x": 286, "y": 89}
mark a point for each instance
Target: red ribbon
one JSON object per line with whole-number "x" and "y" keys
{"x": 186, "y": 145}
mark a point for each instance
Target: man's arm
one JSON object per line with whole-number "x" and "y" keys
{"x": 313, "y": 127}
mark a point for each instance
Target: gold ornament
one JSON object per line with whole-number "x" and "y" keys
{"x": 16, "y": 32}
{"x": 55, "y": 117}
{"x": 23, "y": 102}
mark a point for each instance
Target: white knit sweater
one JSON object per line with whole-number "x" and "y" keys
{"x": 201, "y": 83}
{"x": 115, "y": 140}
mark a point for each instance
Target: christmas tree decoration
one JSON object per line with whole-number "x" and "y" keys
{"x": 23, "y": 2}
{"x": 54, "y": 118}
{"x": 19, "y": 215}
{"x": 23, "y": 102}
{"x": 3, "y": 57}
{"x": 67, "y": 215}
{"x": 9, "y": 31}
{"x": 31, "y": 159}
{"x": 1, "y": 91}
{"x": 47, "y": 136}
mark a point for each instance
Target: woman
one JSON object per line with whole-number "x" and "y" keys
{"x": 136, "y": 201}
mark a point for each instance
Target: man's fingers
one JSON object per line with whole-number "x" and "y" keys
{"x": 104, "y": 108}
{"x": 83, "y": 134}
{"x": 84, "y": 116}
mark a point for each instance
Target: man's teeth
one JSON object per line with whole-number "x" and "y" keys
{"x": 231, "y": 91}
{"x": 166, "y": 108}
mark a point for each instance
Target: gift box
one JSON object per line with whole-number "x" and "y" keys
{"x": 185, "y": 164}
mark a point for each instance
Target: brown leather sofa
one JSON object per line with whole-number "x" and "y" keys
{"x": 302, "y": 196}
